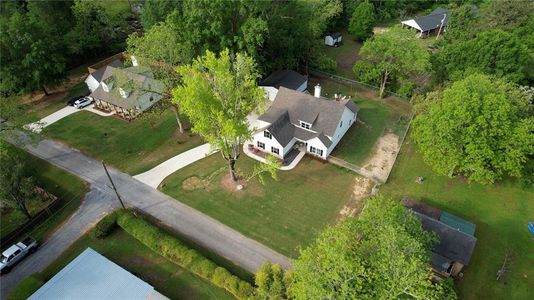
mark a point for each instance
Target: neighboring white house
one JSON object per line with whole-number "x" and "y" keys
{"x": 93, "y": 80}
{"x": 333, "y": 39}
{"x": 286, "y": 78}
{"x": 435, "y": 22}
{"x": 297, "y": 119}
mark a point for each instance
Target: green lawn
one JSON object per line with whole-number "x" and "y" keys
{"x": 500, "y": 211}
{"x": 345, "y": 55}
{"x": 39, "y": 111}
{"x": 68, "y": 188}
{"x": 166, "y": 277}
{"x": 133, "y": 147}
{"x": 282, "y": 214}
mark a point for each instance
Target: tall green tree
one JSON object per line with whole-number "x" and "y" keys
{"x": 16, "y": 189}
{"x": 382, "y": 254}
{"x": 92, "y": 29}
{"x": 506, "y": 14}
{"x": 395, "y": 54}
{"x": 271, "y": 282}
{"x": 217, "y": 94}
{"x": 362, "y": 21}
{"x": 493, "y": 52}
{"x": 155, "y": 11}
{"x": 480, "y": 127}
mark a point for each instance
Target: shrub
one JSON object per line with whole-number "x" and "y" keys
{"x": 26, "y": 287}
{"x": 106, "y": 226}
{"x": 172, "y": 249}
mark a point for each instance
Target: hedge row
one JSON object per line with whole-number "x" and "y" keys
{"x": 106, "y": 225}
{"x": 171, "y": 248}
{"x": 26, "y": 287}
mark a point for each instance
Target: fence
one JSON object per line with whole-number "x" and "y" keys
{"x": 105, "y": 62}
{"x": 14, "y": 235}
{"x": 357, "y": 84}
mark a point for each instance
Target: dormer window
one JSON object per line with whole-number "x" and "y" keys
{"x": 267, "y": 134}
{"x": 124, "y": 93}
{"x": 305, "y": 125}
{"x": 105, "y": 87}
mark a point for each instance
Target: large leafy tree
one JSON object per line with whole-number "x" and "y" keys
{"x": 362, "y": 21}
{"x": 492, "y": 52}
{"x": 479, "y": 127}
{"x": 155, "y": 11}
{"x": 217, "y": 94}
{"x": 393, "y": 55}
{"x": 382, "y": 254}
{"x": 32, "y": 53}
{"x": 506, "y": 14}
{"x": 16, "y": 189}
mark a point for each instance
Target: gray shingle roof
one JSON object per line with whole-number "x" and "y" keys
{"x": 98, "y": 73}
{"x": 92, "y": 276}
{"x": 433, "y": 20}
{"x": 453, "y": 244}
{"x": 143, "y": 85}
{"x": 286, "y": 78}
{"x": 282, "y": 129}
{"x": 335, "y": 35}
{"x": 326, "y": 114}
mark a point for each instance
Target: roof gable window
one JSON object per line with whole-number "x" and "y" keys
{"x": 305, "y": 125}
{"x": 267, "y": 134}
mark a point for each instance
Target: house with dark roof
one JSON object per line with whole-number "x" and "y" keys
{"x": 456, "y": 238}
{"x": 125, "y": 91}
{"x": 284, "y": 78}
{"x": 435, "y": 22}
{"x": 310, "y": 123}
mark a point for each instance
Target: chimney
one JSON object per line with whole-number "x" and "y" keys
{"x": 317, "y": 92}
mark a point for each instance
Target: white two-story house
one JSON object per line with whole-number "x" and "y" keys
{"x": 297, "y": 119}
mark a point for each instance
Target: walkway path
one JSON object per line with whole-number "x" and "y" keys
{"x": 192, "y": 224}
{"x": 60, "y": 114}
{"x": 156, "y": 175}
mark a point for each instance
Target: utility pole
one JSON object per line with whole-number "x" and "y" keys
{"x": 113, "y": 185}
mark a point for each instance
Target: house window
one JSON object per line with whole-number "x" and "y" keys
{"x": 305, "y": 125}
{"x": 267, "y": 134}
{"x": 261, "y": 145}
{"x": 275, "y": 150}
{"x": 341, "y": 124}
{"x": 316, "y": 151}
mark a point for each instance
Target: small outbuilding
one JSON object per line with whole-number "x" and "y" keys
{"x": 456, "y": 238}
{"x": 333, "y": 39}
{"x": 434, "y": 23}
{"x": 92, "y": 276}
{"x": 284, "y": 78}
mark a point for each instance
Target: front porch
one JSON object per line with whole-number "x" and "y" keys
{"x": 123, "y": 113}
{"x": 290, "y": 161}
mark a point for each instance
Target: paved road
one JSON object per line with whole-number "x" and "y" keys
{"x": 96, "y": 204}
{"x": 200, "y": 228}
{"x": 155, "y": 176}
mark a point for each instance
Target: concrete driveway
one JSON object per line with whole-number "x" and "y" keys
{"x": 60, "y": 114}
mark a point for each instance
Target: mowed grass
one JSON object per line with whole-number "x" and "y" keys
{"x": 166, "y": 277}
{"x": 68, "y": 188}
{"x": 282, "y": 214}
{"x": 501, "y": 213}
{"x": 133, "y": 147}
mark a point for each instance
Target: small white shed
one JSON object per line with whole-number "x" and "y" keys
{"x": 333, "y": 39}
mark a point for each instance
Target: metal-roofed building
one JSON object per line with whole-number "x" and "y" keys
{"x": 92, "y": 276}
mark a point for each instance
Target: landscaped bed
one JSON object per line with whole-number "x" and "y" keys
{"x": 500, "y": 211}
{"x": 133, "y": 147}
{"x": 282, "y": 214}
{"x": 69, "y": 189}
{"x": 124, "y": 250}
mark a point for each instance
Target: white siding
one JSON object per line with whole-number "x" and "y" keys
{"x": 347, "y": 118}
{"x": 328, "y": 40}
{"x": 91, "y": 82}
{"x": 271, "y": 92}
{"x": 272, "y": 143}
{"x": 303, "y": 86}
{"x": 315, "y": 142}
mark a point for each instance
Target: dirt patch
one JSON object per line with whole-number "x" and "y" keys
{"x": 346, "y": 60}
{"x": 381, "y": 163}
{"x": 362, "y": 188}
{"x": 378, "y": 29}
{"x": 195, "y": 183}
{"x": 229, "y": 185}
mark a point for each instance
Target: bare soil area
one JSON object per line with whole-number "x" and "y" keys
{"x": 361, "y": 189}
{"x": 381, "y": 162}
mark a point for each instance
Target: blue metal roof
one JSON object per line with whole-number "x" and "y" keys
{"x": 92, "y": 276}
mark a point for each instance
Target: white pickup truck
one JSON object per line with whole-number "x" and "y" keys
{"x": 15, "y": 253}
